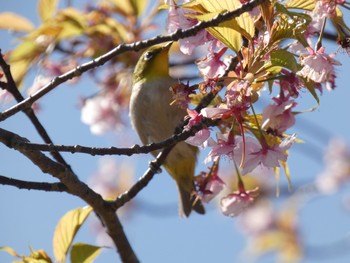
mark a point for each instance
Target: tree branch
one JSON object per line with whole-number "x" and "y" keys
{"x": 179, "y": 34}
{"x": 48, "y": 187}
{"x": 77, "y": 188}
{"x": 12, "y": 88}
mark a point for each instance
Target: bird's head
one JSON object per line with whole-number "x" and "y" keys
{"x": 153, "y": 63}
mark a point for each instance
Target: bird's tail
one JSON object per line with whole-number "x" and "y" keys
{"x": 189, "y": 202}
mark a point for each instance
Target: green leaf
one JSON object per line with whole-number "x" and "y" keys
{"x": 301, "y": 4}
{"x": 84, "y": 253}
{"x": 66, "y": 230}
{"x": 46, "y": 9}
{"x": 12, "y": 21}
{"x": 274, "y": 70}
{"x": 284, "y": 59}
{"x": 310, "y": 85}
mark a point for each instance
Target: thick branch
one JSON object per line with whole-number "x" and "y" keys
{"x": 12, "y": 88}
{"x": 49, "y": 187}
{"x": 77, "y": 188}
{"x": 179, "y": 34}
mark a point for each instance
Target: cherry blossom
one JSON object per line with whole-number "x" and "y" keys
{"x": 107, "y": 181}
{"x": 236, "y": 202}
{"x": 5, "y": 96}
{"x": 337, "y": 170}
{"x": 101, "y": 114}
{"x": 318, "y": 67}
{"x": 291, "y": 83}
{"x": 224, "y": 146}
{"x": 267, "y": 156}
{"x": 278, "y": 117}
{"x": 211, "y": 66}
{"x": 209, "y": 184}
{"x": 201, "y": 136}
{"x": 178, "y": 19}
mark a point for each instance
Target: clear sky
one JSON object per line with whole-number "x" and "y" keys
{"x": 28, "y": 218}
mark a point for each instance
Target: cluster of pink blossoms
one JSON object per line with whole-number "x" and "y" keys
{"x": 251, "y": 140}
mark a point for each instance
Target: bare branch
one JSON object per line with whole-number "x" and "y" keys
{"x": 48, "y": 187}
{"x": 77, "y": 188}
{"x": 12, "y": 88}
{"x": 179, "y": 34}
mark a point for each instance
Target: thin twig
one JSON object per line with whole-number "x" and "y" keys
{"x": 42, "y": 186}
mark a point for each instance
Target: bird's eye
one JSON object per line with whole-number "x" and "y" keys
{"x": 148, "y": 55}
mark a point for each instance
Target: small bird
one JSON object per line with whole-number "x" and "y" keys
{"x": 155, "y": 120}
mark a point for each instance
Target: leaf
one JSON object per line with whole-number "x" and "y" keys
{"x": 12, "y": 21}
{"x": 19, "y": 69}
{"x": 46, "y": 9}
{"x": 285, "y": 59}
{"x": 310, "y": 85}
{"x": 39, "y": 256}
{"x": 139, "y": 6}
{"x": 9, "y": 250}
{"x": 26, "y": 50}
{"x": 287, "y": 173}
{"x": 66, "y": 230}
{"x": 84, "y": 253}
{"x": 301, "y": 4}
{"x": 228, "y": 32}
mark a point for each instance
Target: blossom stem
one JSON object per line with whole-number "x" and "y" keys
{"x": 240, "y": 184}
{"x": 319, "y": 41}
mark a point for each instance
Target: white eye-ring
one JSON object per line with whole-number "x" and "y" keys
{"x": 148, "y": 55}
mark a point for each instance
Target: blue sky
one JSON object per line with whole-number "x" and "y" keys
{"x": 28, "y": 218}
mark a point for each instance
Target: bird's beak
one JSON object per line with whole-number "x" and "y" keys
{"x": 167, "y": 45}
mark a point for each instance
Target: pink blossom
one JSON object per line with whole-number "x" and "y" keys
{"x": 211, "y": 66}
{"x": 257, "y": 219}
{"x": 277, "y": 118}
{"x": 318, "y": 67}
{"x": 112, "y": 178}
{"x": 291, "y": 83}
{"x": 215, "y": 113}
{"x": 235, "y": 203}
{"x": 39, "y": 82}
{"x": 5, "y": 96}
{"x": 177, "y": 19}
{"x": 337, "y": 170}
{"x": 101, "y": 113}
{"x": 181, "y": 94}
{"x": 268, "y": 156}
{"x": 209, "y": 184}
{"x": 201, "y": 136}
{"x": 223, "y": 147}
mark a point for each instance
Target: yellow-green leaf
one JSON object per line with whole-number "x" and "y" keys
{"x": 46, "y": 9}
{"x": 66, "y": 230}
{"x": 301, "y": 4}
{"x": 26, "y": 50}
{"x": 19, "y": 69}
{"x": 12, "y": 21}
{"x": 139, "y": 6}
{"x": 84, "y": 253}
{"x": 287, "y": 173}
{"x": 229, "y": 32}
{"x": 9, "y": 250}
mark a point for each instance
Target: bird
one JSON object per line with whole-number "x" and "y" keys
{"x": 154, "y": 120}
